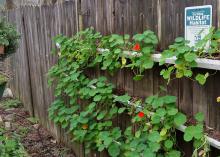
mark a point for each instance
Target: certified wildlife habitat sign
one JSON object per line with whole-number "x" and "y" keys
{"x": 198, "y": 21}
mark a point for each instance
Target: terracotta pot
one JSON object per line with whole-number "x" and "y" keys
{"x": 2, "y": 49}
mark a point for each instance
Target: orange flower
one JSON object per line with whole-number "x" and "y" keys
{"x": 141, "y": 114}
{"x": 85, "y": 126}
{"x": 137, "y": 47}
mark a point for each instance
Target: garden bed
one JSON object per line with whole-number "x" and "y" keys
{"x": 36, "y": 140}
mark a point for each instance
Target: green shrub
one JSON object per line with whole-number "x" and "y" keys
{"x": 10, "y": 146}
{"x": 8, "y": 36}
{"x": 3, "y": 79}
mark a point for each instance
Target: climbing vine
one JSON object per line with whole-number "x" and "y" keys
{"x": 86, "y": 107}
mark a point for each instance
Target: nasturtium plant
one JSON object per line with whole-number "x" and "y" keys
{"x": 86, "y": 107}
{"x": 123, "y": 51}
{"x": 202, "y": 78}
{"x": 186, "y": 56}
{"x": 9, "y": 37}
{"x": 196, "y": 134}
{"x": 215, "y": 41}
{"x": 155, "y": 134}
{"x": 185, "y": 61}
{"x": 147, "y": 43}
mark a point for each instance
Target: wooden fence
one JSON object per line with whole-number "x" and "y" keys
{"x": 38, "y": 25}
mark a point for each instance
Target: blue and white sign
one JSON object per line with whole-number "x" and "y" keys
{"x": 198, "y": 21}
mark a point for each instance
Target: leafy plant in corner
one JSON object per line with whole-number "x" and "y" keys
{"x": 10, "y": 146}
{"x": 8, "y": 37}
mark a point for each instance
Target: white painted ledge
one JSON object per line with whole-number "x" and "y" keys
{"x": 201, "y": 62}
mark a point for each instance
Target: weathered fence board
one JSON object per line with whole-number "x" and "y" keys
{"x": 39, "y": 24}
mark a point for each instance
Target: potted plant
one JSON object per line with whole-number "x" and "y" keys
{"x": 3, "y": 82}
{"x": 8, "y": 38}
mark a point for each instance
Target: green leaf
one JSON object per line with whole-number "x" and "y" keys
{"x": 146, "y": 50}
{"x": 179, "y": 73}
{"x": 123, "y": 99}
{"x": 107, "y": 62}
{"x": 128, "y": 131}
{"x": 138, "y": 37}
{"x": 107, "y": 141}
{"x": 158, "y": 102}
{"x": 83, "y": 120}
{"x": 148, "y": 64}
{"x": 172, "y": 111}
{"x": 138, "y": 134}
{"x": 189, "y": 133}
{"x": 97, "y": 98}
{"x": 92, "y": 93}
{"x": 166, "y": 54}
{"x": 188, "y": 136}
{"x": 138, "y": 77}
{"x": 155, "y": 119}
{"x": 166, "y": 73}
{"x": 179, "y": 39}
{"x": 154, "y": 146}
{"x": 189, "y": 57}
{"x": 91, "y": 107}
{"x": 202, "y": 78}
{"x": 168, "y": 144}
{"x": 114, "y": 150}
{"x": 126, "y": 37}
{"x": 198, "y": 131}
{"x": 113, "y": 111}
{"x": 101, "y": 115}
{"x": 199, "y": 117}
{"x": 169, "y": 99}
{"x": 116, "y": 133}
{"x": 121, "y": 110}
{"x": 193, "y": 131}
{"x": 163, "y": 132}
{"x": 154, "y": 136}
{"x": 173, "y": 153}
{"x": 149, "y": 153}
{"x": 179, "y": 119}
{"x": 117, "y": 51}
{"x": 188, "y": 73}
{"x": 161, "y": 112}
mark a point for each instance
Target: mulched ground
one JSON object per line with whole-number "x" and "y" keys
{"x": 36, "y": 140}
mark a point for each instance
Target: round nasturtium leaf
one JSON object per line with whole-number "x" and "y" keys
{"x": 168, "y": 144}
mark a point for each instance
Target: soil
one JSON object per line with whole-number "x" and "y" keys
{"x": 37, "y": 141}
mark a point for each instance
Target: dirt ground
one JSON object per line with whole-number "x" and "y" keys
{"x": 35, "y": 139}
